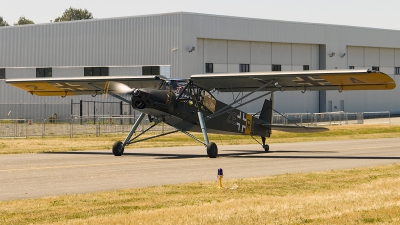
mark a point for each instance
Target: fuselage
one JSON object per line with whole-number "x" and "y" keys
{"x": 177, "y": 104}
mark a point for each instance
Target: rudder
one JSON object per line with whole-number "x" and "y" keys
{"x": 266, "y": 112}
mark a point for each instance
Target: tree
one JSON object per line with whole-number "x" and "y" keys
{"x": 74, "y": 14}
{"x": 3, "y": 23}
{"x": 23, "y": 21}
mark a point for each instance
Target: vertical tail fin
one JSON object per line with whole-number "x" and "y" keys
{"x": 266, "y": 112}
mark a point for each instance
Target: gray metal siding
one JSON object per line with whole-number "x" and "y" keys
{"x": 121, "y": 42}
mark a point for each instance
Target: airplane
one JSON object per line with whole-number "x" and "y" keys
{"x": 189, "y": 105}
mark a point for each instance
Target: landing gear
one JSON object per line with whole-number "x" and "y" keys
{"x": 118, "y": 148}
{"x": 212, "y": 150}
{"x": 265, "y": 146}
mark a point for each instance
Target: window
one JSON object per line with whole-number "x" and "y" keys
{"x": 95, "y": 71}
{"x": 276, "y": 68}
{"x": 376, "y": 68}
{"x": 306, "y": 67}
{"x": 396, "y": 71}
{"x": 150, "y": 70}
{"x": 44, "y": 72}
{"x": 209, "y": 68}
{"x": 244, "y": 68}
{"x": 2, "y": 73}
{"x": 351, "y": 67}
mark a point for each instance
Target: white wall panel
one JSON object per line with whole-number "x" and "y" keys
{"x": 387, "y": 69}
{"x": 355, "y": 56}
{"x": 371, "y": 56}
{"x": 386, "y": 57}
{"x": 259, "y": 68}
{"x": 13, "y": 73}
{"x": 397, "y": 57}
{"x": 200, "y": 56}
{"x": 68, "y": 72}
{"x": 261, "y": 53}
{"x": 239, "y": 52}
{"x": 220, "y": 68}
{"x": 215, "y": 51}
{"x": 233, "y": 68}
{"x": 297, "y": 68}
{"x": 286, "y": 67}
{"x": 281, "y": 53}
{"x": 301, "y": 54}
{"x": 314, "y": 57}
{"x": 125, "y": 71}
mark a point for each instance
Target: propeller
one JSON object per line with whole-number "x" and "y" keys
{"x": 118, "y": 88}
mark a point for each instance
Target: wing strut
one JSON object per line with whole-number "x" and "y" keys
{"x": 230, "y": 109}
{"x": 221, "y": 111}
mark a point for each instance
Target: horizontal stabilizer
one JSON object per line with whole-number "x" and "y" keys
{"x": 295, "y": 129}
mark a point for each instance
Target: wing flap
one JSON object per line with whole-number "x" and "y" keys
{"x": 296, "y": 80}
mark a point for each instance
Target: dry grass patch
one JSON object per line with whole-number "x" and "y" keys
{"x": 357, "y": 196}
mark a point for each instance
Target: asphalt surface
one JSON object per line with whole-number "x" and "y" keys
{"x": 49, "y": 174}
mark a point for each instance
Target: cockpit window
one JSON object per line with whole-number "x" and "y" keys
{"x": 175, "y": 85}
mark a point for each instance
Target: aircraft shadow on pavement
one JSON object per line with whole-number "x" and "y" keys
{"x": 288, "y": 154}
{"x": 161, "y": 155}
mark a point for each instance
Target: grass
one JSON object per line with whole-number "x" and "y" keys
{"x": 91, "y": 142}
{"x": 356, "y": 196}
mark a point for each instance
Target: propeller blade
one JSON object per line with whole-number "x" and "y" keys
{"x": 119, "y": 88}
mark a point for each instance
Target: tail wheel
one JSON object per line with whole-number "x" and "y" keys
{"x": 212, "y": 150}
{"x": 118, "y": 148}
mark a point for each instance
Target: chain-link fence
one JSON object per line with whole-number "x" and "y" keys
{"x": 331, "y": 118}
{"x": 13, "y": 128}
{"x": 88, "y": 109}
{"x": 22, "y": 128}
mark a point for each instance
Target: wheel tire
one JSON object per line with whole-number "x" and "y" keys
{"x": 212, "y": 150}
{"x": 118, "y": 148}
{"x": 266, "y": 148}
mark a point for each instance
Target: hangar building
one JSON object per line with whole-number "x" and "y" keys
{"x": 180, "y": 44}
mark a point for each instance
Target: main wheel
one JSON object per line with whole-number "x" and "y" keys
{"x": 266, "y": 148}
{"x": 118, "y": 148}
{"x": 212, "y": 150}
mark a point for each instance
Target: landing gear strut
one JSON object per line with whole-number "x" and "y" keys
{"x": 265, "y": 146}
{"x": 212, "y": 149}
{"x": 118, "y": 147}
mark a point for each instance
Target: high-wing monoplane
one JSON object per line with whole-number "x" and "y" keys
{"x": 189, "y": 105}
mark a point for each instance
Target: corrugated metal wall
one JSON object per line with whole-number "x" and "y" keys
{"x": 142, "y": 40}
{"x": 113, "y": 42}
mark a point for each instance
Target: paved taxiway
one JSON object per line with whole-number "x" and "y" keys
{"x": 48, "y": 174}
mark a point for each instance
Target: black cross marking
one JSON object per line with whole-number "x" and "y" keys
{"x": 70, "y": 87}
{"x": 311, "y": 81}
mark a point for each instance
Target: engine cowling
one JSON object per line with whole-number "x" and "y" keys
{"x": 163, "y": 100}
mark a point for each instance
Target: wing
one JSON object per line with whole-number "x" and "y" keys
{"x": 81, "y": 85}
{"x": 296, "y": 80}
